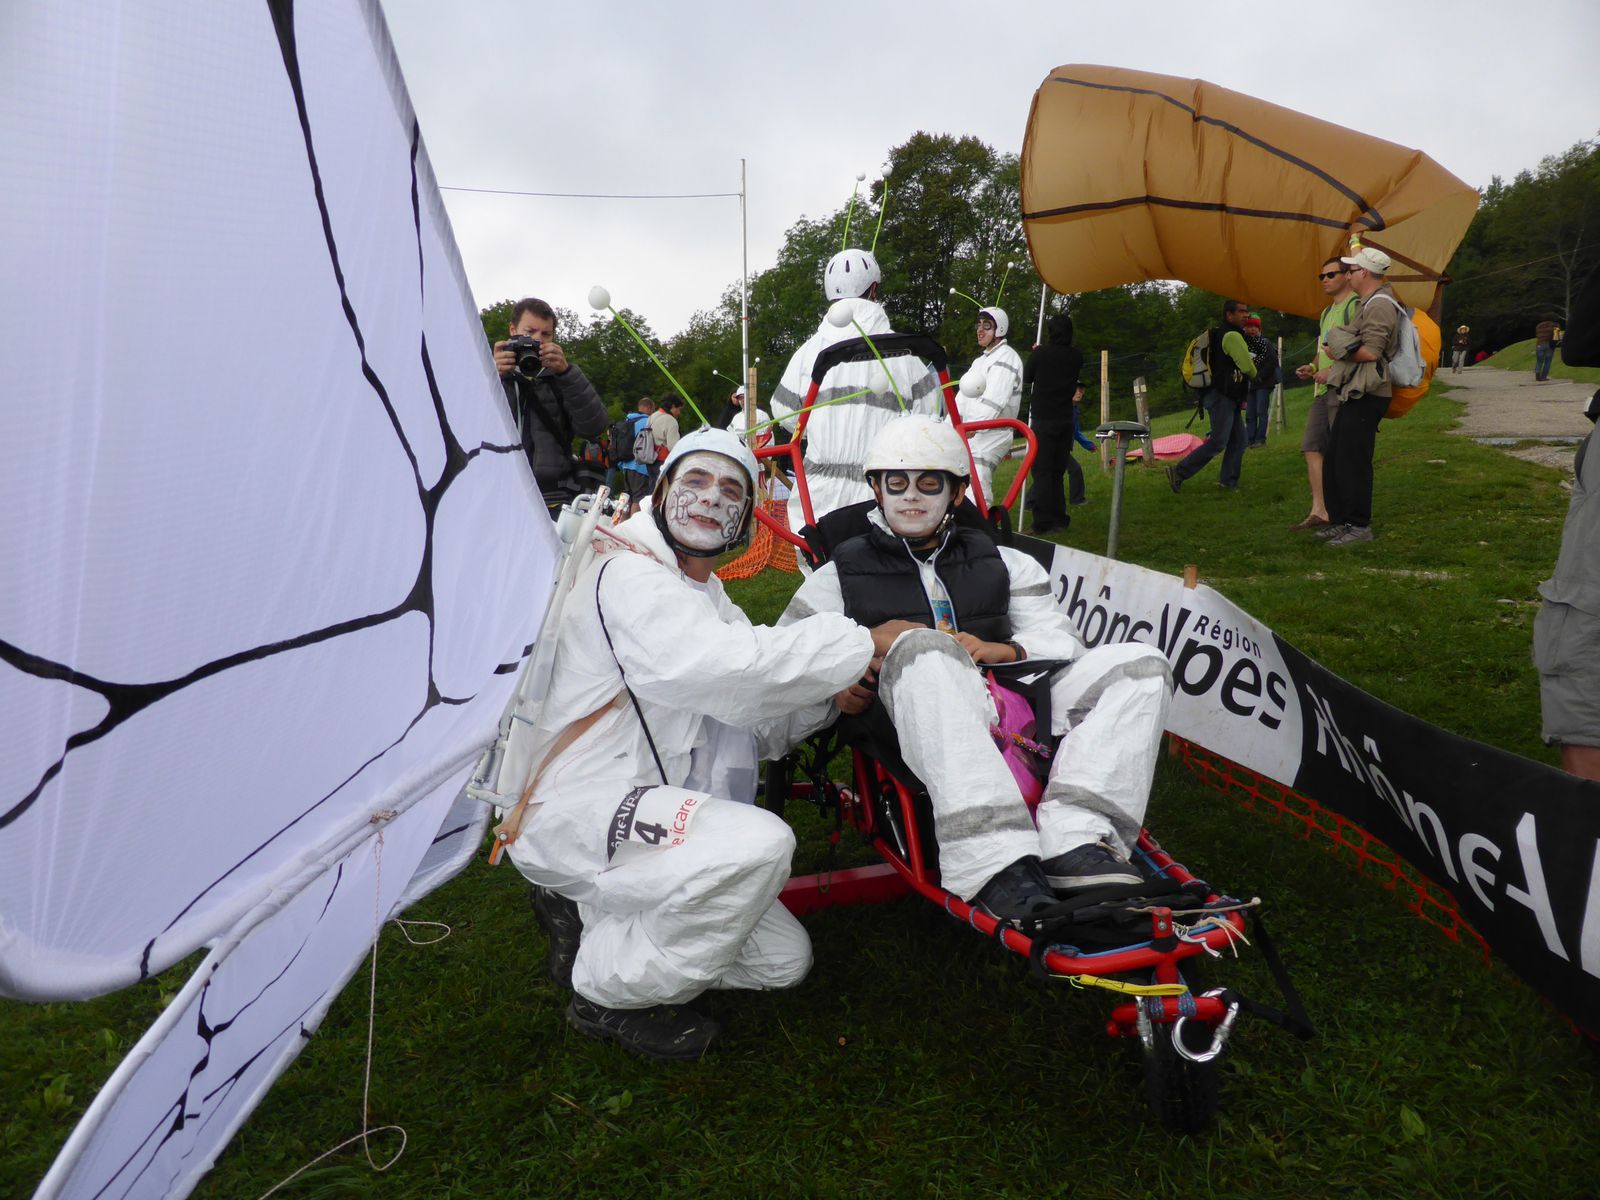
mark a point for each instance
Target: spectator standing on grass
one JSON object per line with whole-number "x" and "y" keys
{"x": 1232, "y": 369}
{"x": 1259, "y": 406}
{"x": 1459, "y": 345}
{"x": 1566, "y": 633}
{"x": 1334, "y": 277}
{"x": 1544, "y": 348}
{"x": 1361, "y": 352}
{"x": 664, "y": 428}
{"x": 637, "y": 473}
{"x": 1052, "y": 371}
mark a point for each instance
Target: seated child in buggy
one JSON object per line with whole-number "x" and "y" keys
{"x": 957, "y": 603}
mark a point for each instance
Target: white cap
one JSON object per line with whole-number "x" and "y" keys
{"x": 849, "y": 274}
{"x": 739, "y": 391}
{"x": 913, "y": 442}
{"x": 1002, "y": 323}
{"x": 1369, "y": 259}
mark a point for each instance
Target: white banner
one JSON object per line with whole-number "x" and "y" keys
{"x": 1233, "y": 689}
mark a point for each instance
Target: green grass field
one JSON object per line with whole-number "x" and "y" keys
{"x": 918, "y": 1060}
{"x": 1519, "y": 357}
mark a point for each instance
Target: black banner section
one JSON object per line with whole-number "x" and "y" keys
{"x": 1517, "y": 843}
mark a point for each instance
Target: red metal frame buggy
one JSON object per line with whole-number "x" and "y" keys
{"x": 1143, "y": 947}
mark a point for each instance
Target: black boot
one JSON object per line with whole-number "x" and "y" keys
{"x": 559, "y": 919}
{"x": 668, "y": 1032}
{"x": 1015, "y": 892}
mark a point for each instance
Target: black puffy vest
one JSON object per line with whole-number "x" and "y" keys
{"x": 880, "y": 582}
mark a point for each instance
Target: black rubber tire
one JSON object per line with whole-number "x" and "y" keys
{"x": 1182, "y": 1095}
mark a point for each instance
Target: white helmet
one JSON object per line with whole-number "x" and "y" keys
{"x": 1002, "y": 323}
{"x": 913, "y": 442}
{"x": 849, "y": 274}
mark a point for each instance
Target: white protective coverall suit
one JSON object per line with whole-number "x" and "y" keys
{"x": 676, "y": 881}
{"x": 991, "y": 387}
{"x": 837, "y": 437}
{"x": 1110, "y": 703}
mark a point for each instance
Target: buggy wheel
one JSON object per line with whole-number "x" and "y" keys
{"x": 1182, "y": 1095}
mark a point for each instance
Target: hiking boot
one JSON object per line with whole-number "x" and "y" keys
{"x": 1353, "y": 534}
{"x": 1329, "y": 532}
{"x": 1091, "y": 866}
{"x": 1015, "y": 892}
{"x": 1173, "y": 481}
{"x": 666, "y": 1032}
{"x": 559, "y": 919}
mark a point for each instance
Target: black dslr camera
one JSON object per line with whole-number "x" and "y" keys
{"x": 527, "y": 351}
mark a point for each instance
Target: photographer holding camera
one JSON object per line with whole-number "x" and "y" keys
{"x": 551, "y": 400}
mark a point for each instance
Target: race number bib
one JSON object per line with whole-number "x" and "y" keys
{"x": 650, "y": 818}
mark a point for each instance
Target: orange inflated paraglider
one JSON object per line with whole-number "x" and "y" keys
{"x": 1128, "y": 176}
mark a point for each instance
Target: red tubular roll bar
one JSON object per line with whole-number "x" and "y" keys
{"x": 890, "y": 345}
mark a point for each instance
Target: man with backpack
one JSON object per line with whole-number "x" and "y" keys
{"x": 1231, "y": 370}
{"x": 1361, "y": 355}
{"x": 633, "y": 449}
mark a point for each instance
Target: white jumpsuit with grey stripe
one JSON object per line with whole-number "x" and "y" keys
{"x": 1000, "y": 370}
{"x": 1110, "y": 704}
{"x": 837, "y": 437}
{"x": 664, "y": 918}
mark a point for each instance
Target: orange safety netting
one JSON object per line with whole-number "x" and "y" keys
{"x": 1256, "y": 793}
{"x": 766, "y": 548}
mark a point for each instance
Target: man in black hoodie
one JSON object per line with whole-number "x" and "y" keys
{"x": 1053, "y": 371}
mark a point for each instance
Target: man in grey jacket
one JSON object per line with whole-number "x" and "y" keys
{"x": 1359, "y": 374}
{"x": 552, "y": 403}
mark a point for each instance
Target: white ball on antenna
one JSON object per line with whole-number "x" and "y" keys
{"x": 839, "y": 315}
{"x": 599, "y": 298}
{"x": 952, "y": 291}
{"x": 972, "y": 385}
{"x": 861, "y": 176}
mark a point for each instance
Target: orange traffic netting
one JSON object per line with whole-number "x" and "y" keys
{"x": 1256, "y": 793}
{"x": 766, "y": 548}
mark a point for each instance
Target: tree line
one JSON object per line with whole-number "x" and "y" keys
{"x": 953, "y": 221}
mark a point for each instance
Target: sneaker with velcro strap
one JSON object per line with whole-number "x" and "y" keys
{"x": 1330, "y": 532}
{"x": 1092, "y": 866}
{"x": 1015, "y": 892}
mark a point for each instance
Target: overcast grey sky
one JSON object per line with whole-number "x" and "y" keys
{"x": 625, "y": 96}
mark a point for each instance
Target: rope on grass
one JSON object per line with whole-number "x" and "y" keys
{"x": 367, "y": 1129}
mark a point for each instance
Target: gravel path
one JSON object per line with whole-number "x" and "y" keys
{"x": 1509, "y": 406}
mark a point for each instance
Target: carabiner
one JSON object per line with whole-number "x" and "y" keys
{"x": 1224, "y": 1028}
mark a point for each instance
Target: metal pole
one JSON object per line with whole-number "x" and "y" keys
{"x": 744, "y": 283}
{"x": 1118, "y": 448}
{"x": 1105, "y": 399}
{"x": 1038, "y": 335}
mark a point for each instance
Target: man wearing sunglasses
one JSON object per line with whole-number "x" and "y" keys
{"x": 947, "y": 601}
{"x": 1360, "y": 352}
{"x": 1335, "y": 280}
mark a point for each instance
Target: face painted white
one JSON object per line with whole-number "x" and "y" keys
{"x": 706, "y": 501}
{"x": 914, "y": 502}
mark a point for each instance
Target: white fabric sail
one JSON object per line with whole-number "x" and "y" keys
{"x": 272, "y": 555}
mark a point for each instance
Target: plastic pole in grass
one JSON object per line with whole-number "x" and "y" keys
{"x": 600, "y": 299}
